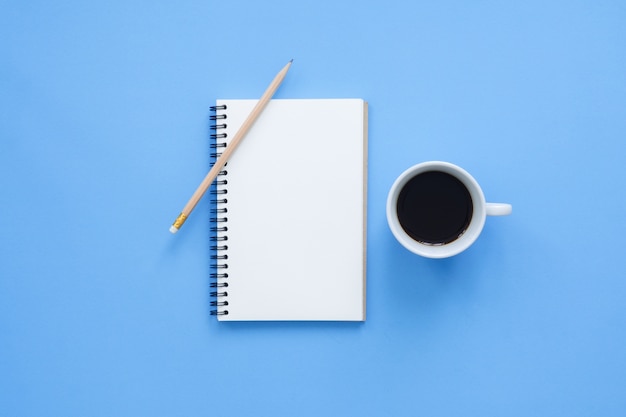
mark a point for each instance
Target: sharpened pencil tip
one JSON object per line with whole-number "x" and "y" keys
{"x": 291, "y": 60}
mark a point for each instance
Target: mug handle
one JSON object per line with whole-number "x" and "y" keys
{"x": 498, "y": 209}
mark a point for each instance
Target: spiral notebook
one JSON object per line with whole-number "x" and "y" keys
{"x": 289, "y": 233}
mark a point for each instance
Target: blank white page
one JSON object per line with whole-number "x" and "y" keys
{"x": 296, "y": 191}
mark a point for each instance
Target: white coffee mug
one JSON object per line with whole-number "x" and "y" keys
{"x": 480, "y": 209}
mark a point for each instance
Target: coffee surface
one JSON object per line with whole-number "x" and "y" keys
{"x": 434, "y": 208}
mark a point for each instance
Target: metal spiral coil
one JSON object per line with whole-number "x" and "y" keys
{"x": 219, "y": 313}
{"x": 218, "y": 230}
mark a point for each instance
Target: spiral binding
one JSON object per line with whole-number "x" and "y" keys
{"x": 219, "y": 219}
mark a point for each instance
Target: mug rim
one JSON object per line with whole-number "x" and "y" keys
{"x": 458, "y": 245}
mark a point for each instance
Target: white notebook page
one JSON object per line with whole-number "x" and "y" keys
{"x": 296, "y": 211}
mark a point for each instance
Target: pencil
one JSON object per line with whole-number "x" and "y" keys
{"x": 219, "y": 164}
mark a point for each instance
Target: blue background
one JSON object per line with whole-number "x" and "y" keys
{"x": 104, "y": 136}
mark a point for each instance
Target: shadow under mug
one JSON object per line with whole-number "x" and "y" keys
{"x": 480, "y": 210}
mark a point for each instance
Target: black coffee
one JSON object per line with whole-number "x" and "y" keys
{"x": 434, "y": 208}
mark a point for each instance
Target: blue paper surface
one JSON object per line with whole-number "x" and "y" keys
{"x": 104, "y": 115}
